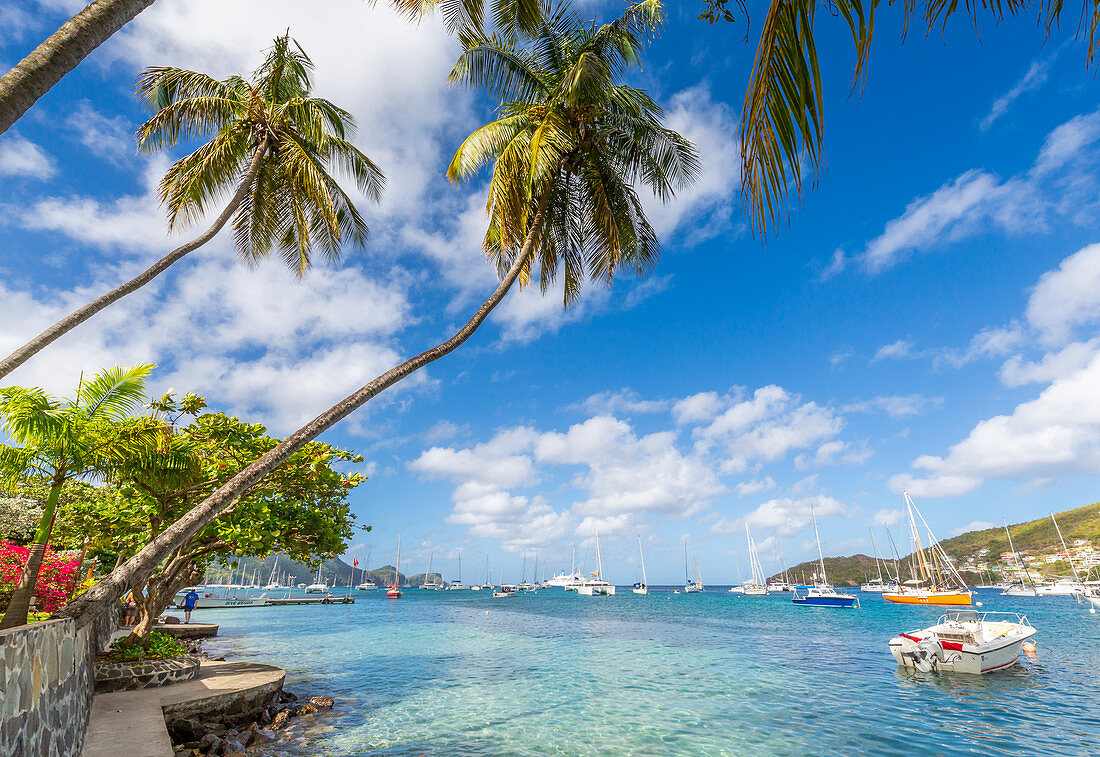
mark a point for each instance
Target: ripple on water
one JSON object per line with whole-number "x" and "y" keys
{"x": 711, "y": 674}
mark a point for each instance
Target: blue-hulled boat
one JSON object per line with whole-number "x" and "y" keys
{"x": 821, "y": 594}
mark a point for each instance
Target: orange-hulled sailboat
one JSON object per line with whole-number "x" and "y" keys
{"x": 935, "y": 580}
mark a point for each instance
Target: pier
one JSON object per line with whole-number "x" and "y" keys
{"x": 325, "y": 600}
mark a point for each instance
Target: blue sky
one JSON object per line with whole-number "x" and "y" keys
{"x": 926, "y": 320}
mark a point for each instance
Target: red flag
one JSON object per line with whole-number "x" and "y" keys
{"x": 354, "y": 563}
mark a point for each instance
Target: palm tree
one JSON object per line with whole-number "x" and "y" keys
{"x": 67, "y": 439}
{"x": 562, "y": 195}
{"x": 271, "y": 144}
{"x": 782, "y": 128}
{"x": 63, "y": 50}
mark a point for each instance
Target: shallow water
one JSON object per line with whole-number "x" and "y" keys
{"x": 554, "y": 673}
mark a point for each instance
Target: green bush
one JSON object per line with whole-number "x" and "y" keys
{"x": 159, "y": 646}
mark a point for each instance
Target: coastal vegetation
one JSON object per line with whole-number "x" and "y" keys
{"x": 159, "y": 646}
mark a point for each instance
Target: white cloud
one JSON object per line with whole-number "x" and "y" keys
{"x": 21, "y": 157}
{"x": 108, "y": 137}
{"x": 1059, "y": 431}
{"x": 896, "y": 406}
{"x": 1067, "y": 297}
{"x": 621, "y": 401}
{"x": 1017, "y": 370}
{"x": 899, "y": 350}
{"x": 887, "y": 517}
{"x": 1067, "y": 141}
{"x": 786, "y": 516}
{"x": 756, "y": 486}
{"x": 698, "y": 407}
{"x": 1035, "y": 77}
{"x": 835, "y": 452}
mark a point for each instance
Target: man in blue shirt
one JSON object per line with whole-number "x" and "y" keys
{"x": 189, "y": 601}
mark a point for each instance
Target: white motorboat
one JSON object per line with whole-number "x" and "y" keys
{"x": 641, "y": 587}
{"x": 964, "y": 642}
{"x": 691, "y": 586}
{"x": 740, "y": 589}
{"x": 777, "y": 586}
{"x": 210, "y": 598}
{"x": 595, "y": 586}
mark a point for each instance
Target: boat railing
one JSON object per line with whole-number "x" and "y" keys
{"x": 971, "y": 616}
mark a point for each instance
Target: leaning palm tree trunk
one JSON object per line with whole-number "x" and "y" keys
{"x": 20, "y": 603}
{"x": 77, "y": 317}
{"x": 32, "y": 77}
{"x": 140, "y": 566}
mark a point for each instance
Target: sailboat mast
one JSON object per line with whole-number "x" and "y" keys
{"x": 1065, "y": 549}
{"x": 641, "y": 557}
{"x": 397, "y": 568}
{"x": 1019, "y": 557}
{"x": 820, "y": 557}
{"x": 894, "y": 548}
{"x": 874, "y": 548}
{"x": 687, "y": 577}
{"x": 599, "y": 562}
{"x": 695, "y": 556}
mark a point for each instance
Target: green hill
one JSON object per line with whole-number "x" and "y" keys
{"x": 335, "y": 572}
{"x": 1033, "y": 537}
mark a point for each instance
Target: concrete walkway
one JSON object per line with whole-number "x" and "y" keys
{"x": 131, "y": 723}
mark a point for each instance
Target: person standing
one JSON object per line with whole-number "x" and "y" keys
{"x": 189, "y": 601}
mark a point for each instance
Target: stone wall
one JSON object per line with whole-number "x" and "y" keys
{"x": 46, "y": 683}
{"x": 147, "y": 674}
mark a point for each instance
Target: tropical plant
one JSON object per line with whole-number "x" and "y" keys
{"x": 56, "y": 577}
{"x": 579, "y": 142}
{"x": 63, "y": 50}
{"x": 66, "y": 439}
{"x": 158, "y": 646}
{"x": 271, "y": 145}
{"x": 782, "y": 127}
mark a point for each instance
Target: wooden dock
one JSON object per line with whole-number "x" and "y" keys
{"x": 325, "y": 600}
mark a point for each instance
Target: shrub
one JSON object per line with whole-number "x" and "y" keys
{"x": 55, "y": 578}
{"x": 159, "y": 646}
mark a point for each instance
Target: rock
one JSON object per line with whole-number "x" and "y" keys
{"x": 209, "y": 742}
{"x": 260, "y": 736}
{"x": 238, "y": 753}
{"x": 279, "y": 721}
{"x": 217, "y": 659}
{"x": 286, "y": 696}
{"x": 234, "y": 745}
{"x": 321, "y": 703}
{"x": 170, "y": 620}
{"x": 186, "y": 729}
{"x": 305, "y": 709}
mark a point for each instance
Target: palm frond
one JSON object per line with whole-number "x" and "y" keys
{"x": 113, "y": 393}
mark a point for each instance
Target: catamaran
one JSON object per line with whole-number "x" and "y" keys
{"x": 367, "y": 584}
{"x": 822, "y": 594}
{"x": 641, "y": 587}
{"x": 964, "y": 642}
{"x": 776, "y": 584}
{"x": 272, "y": 584}
{"x": 594, "y": 585}
{"x": 319, "y": 586}
{"x": 431, "y": 583}
{"x": 393, "y": 591}
{"x": 935, "y": 582}
{"x": 755, "y": 586}
{"x": 457, "y": 585}
{"x": 877, "y": 585}
{"x": 691, "y": 586}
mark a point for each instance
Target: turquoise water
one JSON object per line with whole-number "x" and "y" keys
{"x": 461, "y": 673}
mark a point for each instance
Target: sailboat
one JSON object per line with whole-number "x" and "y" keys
{"x": 690, "y": 586}
{"x": 458, "y": 585}
{"x": 938, "y": 582}
{"x": 506, "y": 590}
{"x": 594, "y": 585}
{"x": 785, "y": 584}
{"x": 392, "y": 591}
{"x": 876, "y": 586}
{"x": 1018, "y": 588}
{"x": 568, "y": 582}
{"x": 272, "y": 584}
{"x": 754, "y": 587}
{"x": 431, "y": 583}
{"x": 821, "y": 594}
{"x": 367, "y": 584}
{"x": 642, "y": 587}
{"x": 318, "y": 587}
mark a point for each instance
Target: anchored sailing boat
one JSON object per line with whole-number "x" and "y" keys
{"x": 754, "y": 587}
{"x": 877, "y": 585}
{"x": 938, "y": 582}
{"x": 821, "y": 594}
{"x": 785, "y": 584}
{"x": 392, "y": 591}
{"x": 641, "y": 587}
{"x": 595, "y": 586}
{"x": 458, "y": 584}
{"x": 690, "y": 586}
{"x": 319, "y": 586}
{"x": 431, "y": 583}
{"x": 368, "y": 584}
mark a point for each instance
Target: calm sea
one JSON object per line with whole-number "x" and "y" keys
{"x": 554, "y": 673}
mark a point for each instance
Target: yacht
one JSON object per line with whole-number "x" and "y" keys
{"x": 691, "y": 586}
{"x": 936, "y": 581}
{"x": 458, "y": 585}
{"x": 641, "y": 587}
{"x": 431, "y": 583}
{"x": 964, "y": 642}
{"x": 393, "y": 591}
{"x": 595, "y": 586}
{"x": 822, "y": 594}
{"x": 318, "y": 587}
{"x": 754, "y": 587}
{"x": 877, "y": 585}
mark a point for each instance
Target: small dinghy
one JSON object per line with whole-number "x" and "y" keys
{"x": 964, "y": 642}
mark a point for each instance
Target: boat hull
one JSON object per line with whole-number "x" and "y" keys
{"x": 211, "y": 603}
{"x": 824, "y": 601}
{"x": 964, "y": 658}
{"x": 945, "y": 598}
{"x": 596, "y": 591}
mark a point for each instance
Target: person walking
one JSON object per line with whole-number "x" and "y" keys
{"x": 189, "y": 601}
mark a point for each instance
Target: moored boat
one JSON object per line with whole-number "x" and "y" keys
{"x": 821, "y": 594}
{"x": 595, "y": 585}
{"x": 935, "y": 582}
{"x": 692, "y": 586}
{"x": 393, "y": 591}
{"x": 641, "y": 587}
{"x": 964, "y": 642}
